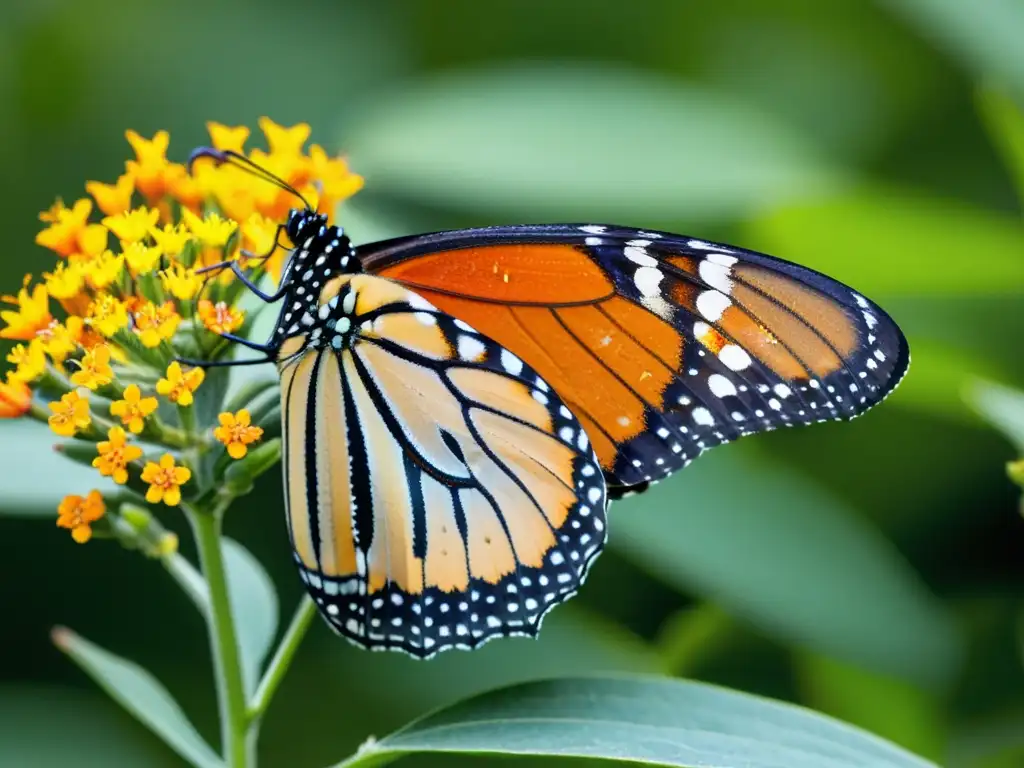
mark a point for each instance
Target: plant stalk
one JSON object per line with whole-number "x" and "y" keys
{"x": 282, "y": 658}
{"x": 238, "y": 748}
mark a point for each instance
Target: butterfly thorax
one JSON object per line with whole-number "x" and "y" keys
{"x": 321, "y": 253}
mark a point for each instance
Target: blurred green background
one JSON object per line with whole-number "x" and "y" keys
{"x": 871, "y": 570}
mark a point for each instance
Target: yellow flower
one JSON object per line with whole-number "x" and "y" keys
{"x": 104, "y": 269}
{"x": 134, "y": 409}
{"x": 335, "y": 180}
{"x": 213, "y": 231}
{"x": 155, "y": 323}
{"x": 66, "y": 281}
{"x": 107, "y": 314}
{"x": 59, "y": 340}
{"x": 15, "y": 398}
{"x": 226, "y": 138}
{"x": 171, "y": 239}
{"x": 179, "y": 385}
{"x": 70, "y": 414}
{"x": 30, "y": 361}
{"x": 112, "y": 199}
{"x": 165, "y": 480}
{"x": 258, "y": 233}
{"x": 219, "y": 317}
{"x": 150, "y": 165}
{"x": 115, "y": 454}
{"x": 182, "y": 282}
{"x": 284, "y": 141}
{"x": 236, "y": 432}
{"x": 77, "y": 512}
{"x": 186, "y": 189}
{"x": 30, "y": 317}
{"x": 141, "y": 259}
{"x": 95, "y": 370}
{"x": 132, "y": 226}
{"x": 92, "y": 240}
{"x": 65, "y": 226}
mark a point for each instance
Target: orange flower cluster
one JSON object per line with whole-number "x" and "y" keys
{"x": 128, "y": 296}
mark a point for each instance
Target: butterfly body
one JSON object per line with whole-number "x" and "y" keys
{"x": 459, "y": 407}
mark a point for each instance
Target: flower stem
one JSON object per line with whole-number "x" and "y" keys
{"x": 282, "y": 658}
{"x": 238, "y": 748}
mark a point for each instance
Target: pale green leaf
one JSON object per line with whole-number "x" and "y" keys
{"x": 1002, "y": 407}
{"x": 51, "y": 725}
{"x": 141, "y": 694}
{"x": 886, "y": 241}
{"x": 775, "y": 549}
{"x": 643, "y": 720}
{"x": 35, "y": 476}
{"x": 254, "y": 607}
{"x": 1005, "y": 120}
{"x": 984, "y": 34}
{"x": 575, "y": 142}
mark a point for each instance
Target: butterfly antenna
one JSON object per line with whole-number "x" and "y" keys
{"x": 240, "y": 161}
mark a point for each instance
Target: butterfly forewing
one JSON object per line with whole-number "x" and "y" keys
{"x": 662, "y": 345}
{"x": 439, "y": 492}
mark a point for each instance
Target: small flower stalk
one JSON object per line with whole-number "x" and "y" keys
{"x": 108, "y": 340}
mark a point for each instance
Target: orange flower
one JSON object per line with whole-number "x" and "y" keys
{"x": 15, "y": 398}
{"x": 95, "y": 370}
{"x": 77, "y": 512}
{"x": 70, "y": 414}
{"x": 66, "y": 224}
{"x": 236, "y": 432}
{"x": 150, "y": 165}
{"x": 31, "y": 316}
{"x": 30, "y": 361}
{"x": 165, "y": 480}
{"x": 154, "y": 324}
{"x": 115, "y": 454}
{"x": 179, "y": 385}
{"x": 219, "y": 317}
{"x": 134, "y": 408}
{"x": 113, "y": 199}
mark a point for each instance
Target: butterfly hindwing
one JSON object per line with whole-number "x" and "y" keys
{"x": 662, "y": 345}
{"x": 439, "y": 492}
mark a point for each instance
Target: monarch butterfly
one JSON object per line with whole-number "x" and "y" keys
{"x": 458, "y": 408}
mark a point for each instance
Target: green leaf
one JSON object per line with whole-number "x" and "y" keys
{"x": 890, "y": 241}
{"x": 645, "y": 720}
{"x": 1005, "y": 121}
{"x": 51, "y": 725}
{"x": 1002, "y": 407}
{"x": 773, "y": 548}
{"x": 984, "y": 34}
{"x": 901, "y": 713}
{"x": 575, "y": 142}
{"x": 141, "y": 694}
{"x": 254, "y": 607}
{"x": 32, "y": 468}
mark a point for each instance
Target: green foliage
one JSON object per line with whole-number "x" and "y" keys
{"x": 870, "y": 571}
{"x": 651, "y": 721}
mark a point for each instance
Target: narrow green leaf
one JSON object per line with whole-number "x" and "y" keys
{"x": 254, "y": 607}
{"x": 773, "y": 548}
{"x": 141, "y": 694}
{"x": 545, "y": 141}
{"x": 31, "y": 467}
{"x": 1002, "y": 407}
{"x": 984, "y": 34}
{"x": 44, "y": 725}
{"x": 1005, "y": 120}
{"x": 889, "y": 241}
{"x": 646, "y": 720}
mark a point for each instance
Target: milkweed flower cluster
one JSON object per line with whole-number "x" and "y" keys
{"x": 100, "y": 334}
